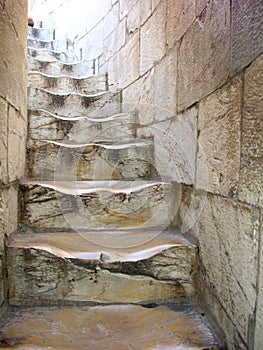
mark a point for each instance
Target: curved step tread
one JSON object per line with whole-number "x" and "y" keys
{"x": 64, "y": 83}
{"x": 78, "y": 188}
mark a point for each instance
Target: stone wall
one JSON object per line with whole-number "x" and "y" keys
{"x": 13, "y": 120}
{"x": 193, "y": 70}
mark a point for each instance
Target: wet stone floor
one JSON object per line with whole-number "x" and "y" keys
{"x": 113, "y": 327}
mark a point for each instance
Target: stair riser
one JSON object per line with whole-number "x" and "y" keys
{"x": 50, "y": 56}
{"x": 45, "y": 208}
{"x": 88, "y": 85}
{"x": 43, "y": 127}
{"x": 71, "y": 104}
{"x": 38, "y": 277}
{"x": 58, "y": 68}
{"x": 52, "y": 45}
{"x": 89, "y": 163}
{"x": 41, "y": 33}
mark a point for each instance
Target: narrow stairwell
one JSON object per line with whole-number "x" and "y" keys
{"x": 96, "y": 264}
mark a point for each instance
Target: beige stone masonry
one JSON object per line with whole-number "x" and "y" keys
{"x": 229, "y": 238}
{"x": 251, "y": 182}
{"x": 128, "y": 56}
{"x": 204, "y": 54}
{"x": 152, "y": 39}
{"x": 180, "y": 16}
{"x": 218, "y": 159}
{"x": 139, "y": 96}
{"x": 8, "y": 212}
{"x": 175, "y": 146}
{"x": 247, "y": 37}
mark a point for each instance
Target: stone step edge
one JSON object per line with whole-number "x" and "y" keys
{"x": 79, "y": 188}
{"x": 94, "y": 96}
{"x": 105, "y": 145}
{"x": 49, "y": 51}
{"x": 77, "y": 118}
{"x": 66, "y": 76}
{"x": 90, "y": 251}
{"x": 62, "y": 62}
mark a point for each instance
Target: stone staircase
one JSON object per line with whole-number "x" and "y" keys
{"x": 97, "y": 263}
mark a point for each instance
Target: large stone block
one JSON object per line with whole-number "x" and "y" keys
{"x": 2, "y": 293}
{"x": 101, "y": 161}
{"x": 259, "y": 310}
{"x": 152, "y": 39}
{"x": 180, "y": 16}
{"x": 37, "y": 277}
{"x": 114, "y": 42}
{"x": 3, "y": 141}
{"x": 124, "y": 66}
{"x": 218, "y": 159}
{"x": 12, "y": 64}
{"x": 251, "y": 187}
{"x": 16, "y": 145}
{"x": 139, "y": 97}
{"x": 164, "y": 89}
{"x": 8, "y": 212}
{"x": 247, "y": 37}
{"x": 228, "y": 233}
{"x": 175, "y": 146}
{"x": 109, "y": 205}
{"x": 204, "y": 54}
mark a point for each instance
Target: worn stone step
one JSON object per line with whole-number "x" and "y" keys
{"x": 83, "y": 205}
{"x": 57, "y": 68}
{"x": 41, "y": 33}
{"x": 90, "y": 161}
{"x": 63, "y": 84}
{"x": 71, "y": 104}
{"x": 157, "y": 266}
{"x": 96, "y": 128}
{"x": 111, "y": 327}
{"x": 67, "y": 56}
{"x": 52, "y": 45}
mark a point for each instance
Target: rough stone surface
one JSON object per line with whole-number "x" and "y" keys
{"x": 229, "y": 238}
{"x": 204, "y": 54}
{"x": 251, "y": 187}
{"x": 139, "y": 97}
{"x": 13, "y": 62}
{"x": 152, "y": 39}
{"x": 8, "y": 213}
{"x": 146, "y": 204}
{"x": 247, "y": 37}
{"x": 91, "y": 162}
{"x": 2, "y": 293}
{"x": 175, "y": 143}
{"x": 259, "y": 310}
{"x": 89, "y": 85}
{"x": 200, "y": 5}
{"x": 165, "y": 84}
{"x": 17, "y": 127}
{"x": 218, "y": 159}
{"x": 3, "y": 140}
{"x": 43, "y": 126}
{"x": 37, "y": 276}
{"x": 128, "y": 56}
{"x": 71, "y": 104}
{"x": 112, "y": 327}
{"x": 180, "y": 16}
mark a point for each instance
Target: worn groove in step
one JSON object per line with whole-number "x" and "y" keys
{"x": 113, "y": 327}
{"x": 78, "y": 188}
{"x": 85, "y": 84}
{"x": 57, "y": 68}
{"x": 72, "y": 103}
{"x": 81, "y": 245}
